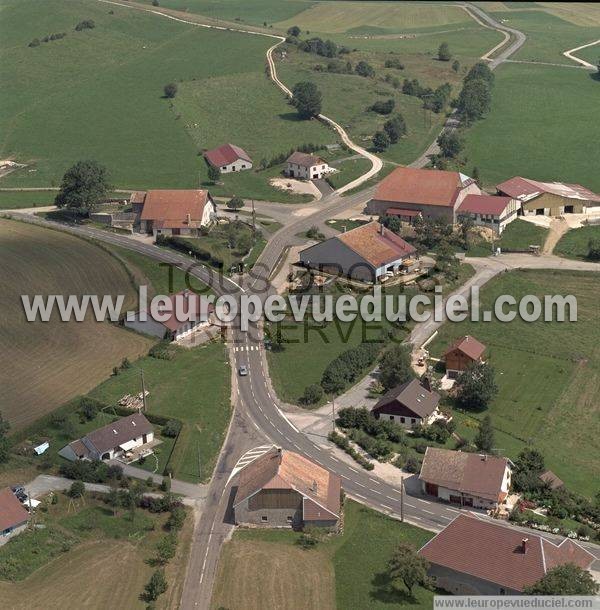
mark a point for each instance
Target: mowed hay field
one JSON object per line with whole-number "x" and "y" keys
{"x": 540, "y": 126}
{"x": 266, "y": 569}
{"x": 43, "y": 365}
{"x": 548, "y": 375}
{"x": 99, "y": 94}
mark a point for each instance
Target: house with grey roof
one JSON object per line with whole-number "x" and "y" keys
{"x": 111, "y": 441}
{"x": 306, "y": 167}
{"x": 409, "y": 404}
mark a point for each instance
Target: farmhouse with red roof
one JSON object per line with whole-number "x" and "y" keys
{"x": 228, "y": 158}
{"x": 549, "y": 198}
{"x": 464, "y": 352}
{"x": 367, "y": 253}
{"x": 473, "y": 556}
{"x": 433, "y": 193}
{"x": 174, "y": 212}
{"x": 284, "y": 489}
{"x": 466, "y": 479}
{"x": 492, "y": 212}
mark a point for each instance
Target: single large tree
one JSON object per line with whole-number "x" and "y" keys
{"x": 214, "y": 173}
{"x": 444, "y": 52}
{"x": 407, "y": 566}
{"x": 83, "y": 186}
{"x": 235, "y": 203}
{"x": 567, "y": 579}
{"x": 475, "y": 99}
{"x": 307, "y": 99}
{"x": 484, "y": 440}
{"x": 394, "y": 366}
{"x": 381, "y": 141}
{"x": 476, "y": 386}
{"x": 450, "y": 144}
{"x": 395, "y": 128}
{"x": 156, "y": 586}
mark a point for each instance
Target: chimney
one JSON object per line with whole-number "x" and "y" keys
{"x": 188, "y": 218}
{"x": 484, "y": 457}
{"x": 524, "y": 545}
{"x": 381, "y": 229}
{"x": 426, "y": 383}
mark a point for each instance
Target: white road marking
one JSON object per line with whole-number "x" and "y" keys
{"x": 444, "y": 517}
{"x": 359, "y": 496}
{"x": 428, "y": 511}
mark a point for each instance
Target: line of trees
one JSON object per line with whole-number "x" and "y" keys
{"x": 475, "y": 97}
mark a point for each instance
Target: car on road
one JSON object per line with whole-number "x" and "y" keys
{"x": 243, "y": 370}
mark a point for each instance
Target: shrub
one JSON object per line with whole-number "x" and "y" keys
{"x": 176, "y": 519}
{"x": 395, "y": 128}
{"x": 362, "y": 68}
{"x": 77, "y": 489}
{"x": 162, "y": 351}
{"x": 86, "y": 24}
{"x": 412, "y": 465}
{"x": 235, "y": 203}
{"x": 170, "y": 90}
{"x": 312, "y": 394}
{"x": 89, "y": 407}
{"x": 171, "y": 428}
{"x": 380, "y": 141}
{"x": 594, "y": 250}
{"x": 394, "y": 63}
{"x": 383, "y": 107}
{"x": 35, "y": 43}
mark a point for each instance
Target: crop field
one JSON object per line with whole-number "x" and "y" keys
{"x": 374, "y": 17}
{"x": 193, "y": 387}
{"x": 115, "y": 74}
{"x": 575, "y": 243}
{"x": 105, "y": 552}
{"x": 46, "y": 364}
{"x": 515, "y": 140}
{"x": 548, "y": 374}
{"x": 273, "y": 572}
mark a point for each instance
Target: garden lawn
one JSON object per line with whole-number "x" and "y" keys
{"x": 308, "y": 351}
{"x": 575, "y": 243}
{"x": 268, "y": 565}
{"x": 348, "y": 171}
{"x": 520, "y": 234}
{"x": 514, "y": 139}
{"x": 194, "y": 388}
{"x": 548, "y": 375}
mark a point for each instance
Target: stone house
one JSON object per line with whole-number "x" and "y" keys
{"x": 305, "y": 166}
{"x": 284, "y": 489}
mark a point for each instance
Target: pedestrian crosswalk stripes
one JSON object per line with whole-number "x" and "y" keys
{"x": 246, "y": 348}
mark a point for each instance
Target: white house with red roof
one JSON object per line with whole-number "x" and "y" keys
{"x": 174, "y": 212}
{"x": 183, "y": 313}
{"x": 474, "y": 556}
{"x": 549, "y": 198}
{"x": 490, "y": 211}
{"x": 432, "y": 193}
{"x": 306, "y": 167}
{"x": 228, "y": 158}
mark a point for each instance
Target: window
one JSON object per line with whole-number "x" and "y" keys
{"x": 289, "y": 518}
{"x": 402, "y": 420}
{"x": 224, "y": 167}
{"x": 264, "y": 518}
{"x": 243, "y": 167}
{"x": 391, "y": 418}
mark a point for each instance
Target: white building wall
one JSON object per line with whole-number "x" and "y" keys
{"x": 237, "y": 166}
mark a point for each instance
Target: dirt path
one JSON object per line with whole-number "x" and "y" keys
{"x": 558, "y": 227}
{"x": 584, "y": 63}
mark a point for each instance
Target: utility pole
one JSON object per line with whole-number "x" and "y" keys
{"x": 199, "y": 463}
{"x": 253, "y": 217}
{"x": 333, "y": 413}
{"x": 145, "y": 406}
{"x": 402, "y": 500}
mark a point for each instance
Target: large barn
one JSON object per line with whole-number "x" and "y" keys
{"x": 433, "y": 193}
{"x": 366, "y": 253}
{"x": 549, "y": 198}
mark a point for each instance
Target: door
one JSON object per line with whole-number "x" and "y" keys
{"x": 144, "y": 439}
{"x": 431, "y": 489}
{"x": 468, "y": 501}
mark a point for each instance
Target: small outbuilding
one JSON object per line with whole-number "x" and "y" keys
{"x": 409, "y": 404}
{"x": 464, "y": 352}
{"x": 228, "y": 158}
{"x": 550, "y": 479}
{"x": 13, "y": 516}
{"x": 306, "y": 167}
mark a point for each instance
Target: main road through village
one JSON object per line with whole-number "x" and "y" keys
{"x": 258, "y": 418}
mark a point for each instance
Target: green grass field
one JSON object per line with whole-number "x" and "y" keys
{"x": 46, "y": 364}
{"x": 515, "y": 140}
{"x": 347, "y": 171}
{"x": 272, "y": 571}
{"x": 548, "y": 374}
{"x": 575, "y": 243}
{"x": 194, "y": 388}
{"x": 115, "y": 74}
{"x": 520, "y": 234}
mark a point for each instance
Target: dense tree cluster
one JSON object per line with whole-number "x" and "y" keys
{"x": 83, "y": 186}
{"x": 395, "y": 366}
{"x": 475, "y": 97}
{"x": 383, "y": 106}
{"x": 348, "y": 366}
{"x": 365, "y": 69}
